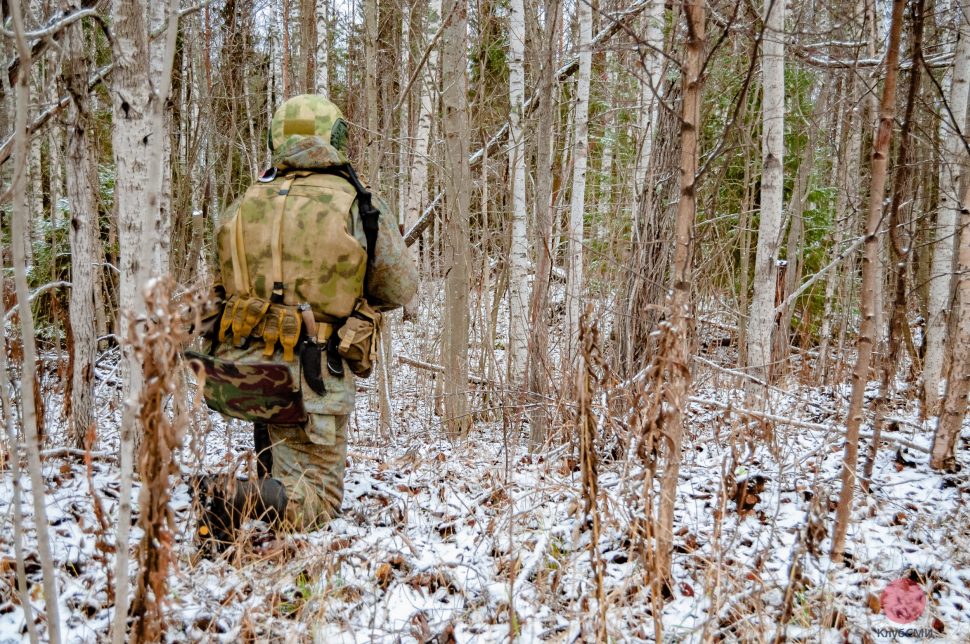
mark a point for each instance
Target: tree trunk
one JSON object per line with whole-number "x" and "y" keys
{"x": 539, "y": 302}
{"x": 138, "y": 140}
{"x": 676, "y": 344}
{"x": 82, "y": 193}
{"x": 577, "y": 207}
{"x": 761, "y": 315}
{"x": 519, "y": 251}
{"x": 28, "y": 406}
{"x": 454, "y": 101}
{"x": 952, "y": 172}
{"x": 958, "y": 379}
{"x": 323, "y": 50}
{"x": 418, "y": 190}
{"x": 871, "y": 282}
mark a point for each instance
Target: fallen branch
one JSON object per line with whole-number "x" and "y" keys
{"x": 428, "y": 366}
{"x": 782, "y": 420}
{"x": 37, "y": 291}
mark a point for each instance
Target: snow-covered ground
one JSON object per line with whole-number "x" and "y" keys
{"x": 477, "y": 540}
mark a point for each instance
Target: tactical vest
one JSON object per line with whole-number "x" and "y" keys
{"x": 290, "y": 260}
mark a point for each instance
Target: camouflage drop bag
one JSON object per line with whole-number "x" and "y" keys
{"x": 260, "y": 392}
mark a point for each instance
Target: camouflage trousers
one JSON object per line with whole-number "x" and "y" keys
{"x": 313, "y": 473}
{"x": 309, "y": 460}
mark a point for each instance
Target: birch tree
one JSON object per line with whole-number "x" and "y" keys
{"x": 577, "y": 207}
{"x": 954, "y": 408}
{"x": 323, "y": 50}
{"x": 138, "y": 143}
{"x": 519, "y": 252}
{"x": 761, "y": 315}
{"x": 952, "y": 173}
{"x": 417, "y": 193}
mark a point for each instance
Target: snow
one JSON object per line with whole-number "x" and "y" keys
{"x": 481, "y": 538}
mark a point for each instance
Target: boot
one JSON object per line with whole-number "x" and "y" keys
{"x": 225, "y": 505}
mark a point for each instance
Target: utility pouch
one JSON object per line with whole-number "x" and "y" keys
{"x": 260, "y": 392}
{"x": 311, "y": 362}
{"x": 357, "y": 339}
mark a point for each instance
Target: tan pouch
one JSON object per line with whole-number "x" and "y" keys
{"x": 357, "y": 339}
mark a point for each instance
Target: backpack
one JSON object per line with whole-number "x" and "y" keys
{"x": 290, "y": 262}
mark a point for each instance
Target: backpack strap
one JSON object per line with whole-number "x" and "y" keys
{"x": 369, "y": 215}
{"x": 276, "y": 243}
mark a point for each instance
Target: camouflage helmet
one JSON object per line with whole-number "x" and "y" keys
{"x": 309, "y": 115}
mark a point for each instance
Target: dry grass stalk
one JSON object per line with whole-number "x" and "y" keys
{"x": 157, "y": 342}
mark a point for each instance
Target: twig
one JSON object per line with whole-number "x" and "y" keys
{"x": 829, "y": 429}
{"x": 478, "y": 380}
{"x": 37, "y": 291}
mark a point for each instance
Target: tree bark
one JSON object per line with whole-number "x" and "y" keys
{"x": 761, "y": 315}
{"x": 519, "y": 251}
{"x": 539, "y": 368}
{"x": 82, "y": 195}
{"x": 323, "y": 50}
{"x": 871, "y": 282}
{"x": 952, "y": 172}
{"x": 676, "y": 345}
{"x": 28, "y": 406}
{"x": 958, "y": 379}
{"x": 577, "y": 206}
{"x": 454, "y": 345}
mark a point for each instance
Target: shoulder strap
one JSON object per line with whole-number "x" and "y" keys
{"x": 369, "y": 215}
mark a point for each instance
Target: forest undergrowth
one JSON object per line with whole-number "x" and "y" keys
{"x": 483, "y": 538}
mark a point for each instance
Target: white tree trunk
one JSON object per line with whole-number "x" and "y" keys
{"x": 958, "y": 383}
{"x": 162, "y": 234}
{"x": 577, "y": 207}
{"x": 323, "y": 50}
{"x": 418, "y": 190}
{"x": 649, "y": 90}
{"x": 952, "y": 171}
{"x": 761, "y": 317}
{"x": 519, "y": 251}
{"x": 138, "y": 139}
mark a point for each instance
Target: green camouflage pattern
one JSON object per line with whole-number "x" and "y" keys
{"x": 323, "y": 262}
{"x": 307, "y": 153}
{"x": 312, "y": 472}
{"x": 393, "y": 277}
{"x": 262, "y": 392}
{"x": 308, "y": 115}
{"x": 338, "y": 398}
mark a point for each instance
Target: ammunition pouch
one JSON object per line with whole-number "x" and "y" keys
{"x": 356, "y": 340}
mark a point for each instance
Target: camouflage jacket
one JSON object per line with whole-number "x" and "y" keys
{"x": 391, "y": 280}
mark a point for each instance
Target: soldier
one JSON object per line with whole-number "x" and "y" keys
{"x": 305, "y": 270}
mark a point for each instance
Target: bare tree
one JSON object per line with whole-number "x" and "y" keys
{"x": 952, "y": 172}
{"x": 871, "y": 282}
{"x": 454, "y": 125}
{"x": 519, "y": 252}
{"x": 29, "y": 383}
{"x": 577, "y": 206}
{"x": 761, "y": 316}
